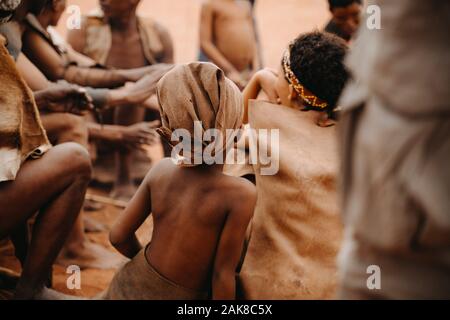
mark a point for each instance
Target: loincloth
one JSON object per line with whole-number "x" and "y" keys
{"x": 138, "y": 280}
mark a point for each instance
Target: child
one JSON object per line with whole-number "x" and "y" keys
{"x": 228, "y": 38}
{"x": 312, "y": 76}
{"x": 346, "y": 18}
{"x": 200, "y": 215}
{"x": 296, "y": 227}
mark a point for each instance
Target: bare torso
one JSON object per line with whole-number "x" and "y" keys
{"x": 189, "y": 211}
{"x": 126, "y": 51}
{"x": 233, "y": 32}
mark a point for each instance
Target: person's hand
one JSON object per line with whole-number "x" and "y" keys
{"x": 64, "y": 97}
{"x": 139, "y": 134}
{"x": 134, "y": 75}
{"x": 236, "y": 78}
{"x": 267, "y": 79}
{"x": 139, "y": 92}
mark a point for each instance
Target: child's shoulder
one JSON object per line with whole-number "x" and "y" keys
{"x": 162, "y": 168}
{"x": 239, "y": 188}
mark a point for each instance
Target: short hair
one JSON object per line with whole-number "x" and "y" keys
{"x": 342, "y": 3}
{"x": 317, "y": 60}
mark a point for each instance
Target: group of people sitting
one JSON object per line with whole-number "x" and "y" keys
{"x": 219, "y": 232}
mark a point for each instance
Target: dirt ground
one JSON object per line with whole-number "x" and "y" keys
{"x": 278, "y": 23}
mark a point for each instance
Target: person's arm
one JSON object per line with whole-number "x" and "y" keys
{"x": 258, "y": 63}
{"x": 207, "y": 45}
{"x": 139, "y": 92}
{"x": 262, "y": 80}
{"x": 35, "y": 79}
{"x": 123, "y": 234}
{"x": 43, "y": 55}
{"x": 64, "y": 97}
{"x": 132, "y": 137}
{"x": 250, "y": 92}
{"x": 80, "y": 59}
{"x": 55, "y": 67}
{"x": 231, "y": 244}
{"x": 166, "y": 40}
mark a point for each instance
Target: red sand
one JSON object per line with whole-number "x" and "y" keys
{"x": 278, "y": 22}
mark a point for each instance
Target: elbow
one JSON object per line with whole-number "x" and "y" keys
{"x": 56, "y": 74}
{"x": 116, "y": 238}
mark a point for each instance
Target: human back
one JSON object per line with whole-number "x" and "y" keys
{"x": 194, "y": 202}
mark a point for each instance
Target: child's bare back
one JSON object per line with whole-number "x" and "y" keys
{"x": 200, "y": 219}
{"x": 190, "y": 208}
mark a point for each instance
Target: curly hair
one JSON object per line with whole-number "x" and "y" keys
{"x": 317, "y": 60}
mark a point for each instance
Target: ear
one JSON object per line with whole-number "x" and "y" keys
{"x": 293, "y": 95}
{"x": 324, "y": 121}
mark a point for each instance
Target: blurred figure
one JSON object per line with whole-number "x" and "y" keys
{"x": 346, "y": 18}
{"x": 396, "y": 150}
{"x": 296, "y": 230}
{"x": 117, "y": 37}
{"x": 34, "y": 176}
{"x": 228, "y": 38}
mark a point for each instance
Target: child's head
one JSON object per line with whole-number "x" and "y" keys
{"x": 346, "y": 15}
{"x": 313, "y": 73}
{"x": 196, "y": 100}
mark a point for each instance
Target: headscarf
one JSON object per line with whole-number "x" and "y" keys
{"x": 197, "y": 97}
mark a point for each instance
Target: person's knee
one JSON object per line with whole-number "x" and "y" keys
{"x": 78, "y": 160}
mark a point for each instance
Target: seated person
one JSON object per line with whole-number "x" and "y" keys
{"x": 228, "y": 38}
{"x": 56, "y": 59}
{"x": 62, "y": 127}
{"x": 35, "y": 177}
{"x": 296, "y": 229}
{"x": 116, "y": 36}
{"x": 200, "y": 215}
{"x": 59, "y": 61}
{"x": 346, "y": 18}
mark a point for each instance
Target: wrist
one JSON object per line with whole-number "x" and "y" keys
{"x": 124, "y": 75}
{"x": 40, "y": 99}
{"x": 116, "y": 97}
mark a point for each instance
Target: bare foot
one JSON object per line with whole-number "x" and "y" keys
{"x": 92, "y": 225}
{"x": 123, "y": 192}
{"x": 44, "y": 294}
{"x": 90, "y": 255}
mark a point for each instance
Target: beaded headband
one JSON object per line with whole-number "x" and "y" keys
{"x": 310, "y": 99}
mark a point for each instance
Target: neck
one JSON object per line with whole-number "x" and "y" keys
{"x": 124, "y": 23}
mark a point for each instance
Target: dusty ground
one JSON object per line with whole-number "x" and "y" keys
{"x": 278, "y": 23}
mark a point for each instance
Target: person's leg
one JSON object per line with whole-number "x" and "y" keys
{"x": 54, "y": 186}
{"x": 62, "y": 128}
{"x": 124, "y": 187}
